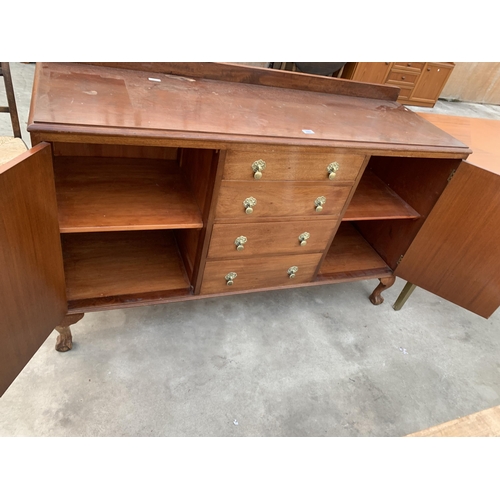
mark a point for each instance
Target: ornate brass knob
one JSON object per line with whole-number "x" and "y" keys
{"x": 230, "y": 278}
{"x": 332, "y": 170}
{"x": 258, "y": 167}
{"x": 292, "y": 271}
{"x": 319, "y": 202}
{"x": 303, "y": 238}
{"x": 249, "y": 203}
{"x": 239, "y": 242}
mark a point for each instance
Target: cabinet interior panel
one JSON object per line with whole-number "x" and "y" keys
{"x": 113, "y": 264}
{"x": 351, "y": 256}
{"x": 120, "y": 194}
{"x": 374, "y": 200}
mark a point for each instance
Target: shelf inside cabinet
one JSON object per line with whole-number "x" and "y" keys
{"x": 351, "y": 256}
{"x": 375, "y": 200}
{"x": 128, "y": 263}
{"x": 122, "y": 194}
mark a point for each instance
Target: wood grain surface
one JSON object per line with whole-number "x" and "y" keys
{"x": 82, "y": 99}
{"x": 292, "y": 165}
{"x": 32, "y": 290}
{"x": 280, "y": 199}
{"x": 122, "y": 263}
{"x": 374, "y": 199}
{"x": 270, "y": 238}
{"x": 258, "y": 272}
{"x": 113, "y": 150}
{"x": 454, "y": 254}
{"x": 240, "y": 73}
{"x": 351, "y": 255}
{"x": 119, "y": 194}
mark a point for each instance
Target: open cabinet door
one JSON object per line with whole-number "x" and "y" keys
{"x": 32, "y": 288}
{"x": 456, "y": 254}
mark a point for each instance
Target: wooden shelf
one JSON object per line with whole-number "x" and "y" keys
{"x": 106, "y": 265}
{"x": 374, "y": 200}
{"x": 109, "y": 194}
{"x": 351, "y": 256}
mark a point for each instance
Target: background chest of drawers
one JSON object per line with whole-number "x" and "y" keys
{"x": 420, "y": 83}
{"x": 152, "y": 183}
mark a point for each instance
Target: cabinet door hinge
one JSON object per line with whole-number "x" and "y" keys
{"x": 452, "y": 174}
{"x": 399, "y": 260}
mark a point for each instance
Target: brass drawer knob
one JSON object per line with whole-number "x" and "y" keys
{"x": 230, "y": 278}
{"x": 319, "y": 202}
{"x": 332, "y": 170}
{"x": 303, "y": 238}
{"x": 292, "y": 272}
{"x": 249, "y": 203}
{"x": 239, "y": 242}
{"x": 258, "y": 167}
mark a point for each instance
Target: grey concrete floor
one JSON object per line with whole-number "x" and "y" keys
{"x": 317, "y": 361}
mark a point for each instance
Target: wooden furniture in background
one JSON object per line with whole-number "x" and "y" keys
{"x": 176, "y": 181}
{"x": 420, "y": 83}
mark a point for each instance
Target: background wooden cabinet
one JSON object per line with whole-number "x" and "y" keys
{"x": 420, "y": 83}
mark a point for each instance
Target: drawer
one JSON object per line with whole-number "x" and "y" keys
{"x": 409, "y": 66}
{"x": 279, "y": 199}
{"x": 264, "y": 238}
{"x": 259, "y": 272}
{"x": 292, "y": 165}
{"x": 397, "y": 78}
{"x": 405, "y": 93}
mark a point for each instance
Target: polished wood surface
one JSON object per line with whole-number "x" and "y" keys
{"x": 279, "y": 199}
{"x": 239, "y": 73}
{"x": 292, "y": 165}
{"x": 480, "y": 134}
{"x": 374, "y": 199}
{"x": 270, "y": 238}
{"x": 32, "y": 290}
{"x": 454, "y": 254}
{"x": 115, "y": 194}
{"x": 81, "y": 99}
{"x": 351, "y": 255}
{"x": 258, "y": 272}
{"x": 484, "y": 423}
{"x": 113, "y": 151}
{"x": 122, "y": 263}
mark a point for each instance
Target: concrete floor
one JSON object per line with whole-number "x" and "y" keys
{"x": 317, "y": 361}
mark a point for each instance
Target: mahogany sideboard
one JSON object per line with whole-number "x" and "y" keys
{"x": 150, "y": 183}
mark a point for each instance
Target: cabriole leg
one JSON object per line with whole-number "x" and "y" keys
{"x": 64, "y": 340}
{"x": 385, "y": 283}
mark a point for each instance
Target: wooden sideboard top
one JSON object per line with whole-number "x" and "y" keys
{"x": 86, "y": 99}
{"x": 482, "y": 136}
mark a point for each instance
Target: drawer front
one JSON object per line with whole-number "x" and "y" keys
{"x": 292, "y": 166}
{"x": 259, "y": 272}
{"x": 409, "y": 66}
{"x": 266, "y": 238}
{"x": 405, "y": 93}
{"x": 279, "y": 199}
{"x": 397, "y": 78}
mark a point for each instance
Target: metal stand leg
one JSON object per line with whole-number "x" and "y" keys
{"x": 404, "y": 295}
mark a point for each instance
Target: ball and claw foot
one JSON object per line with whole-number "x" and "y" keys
{"x": 385, "y": 283}
{"x": 64, "y": 340}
